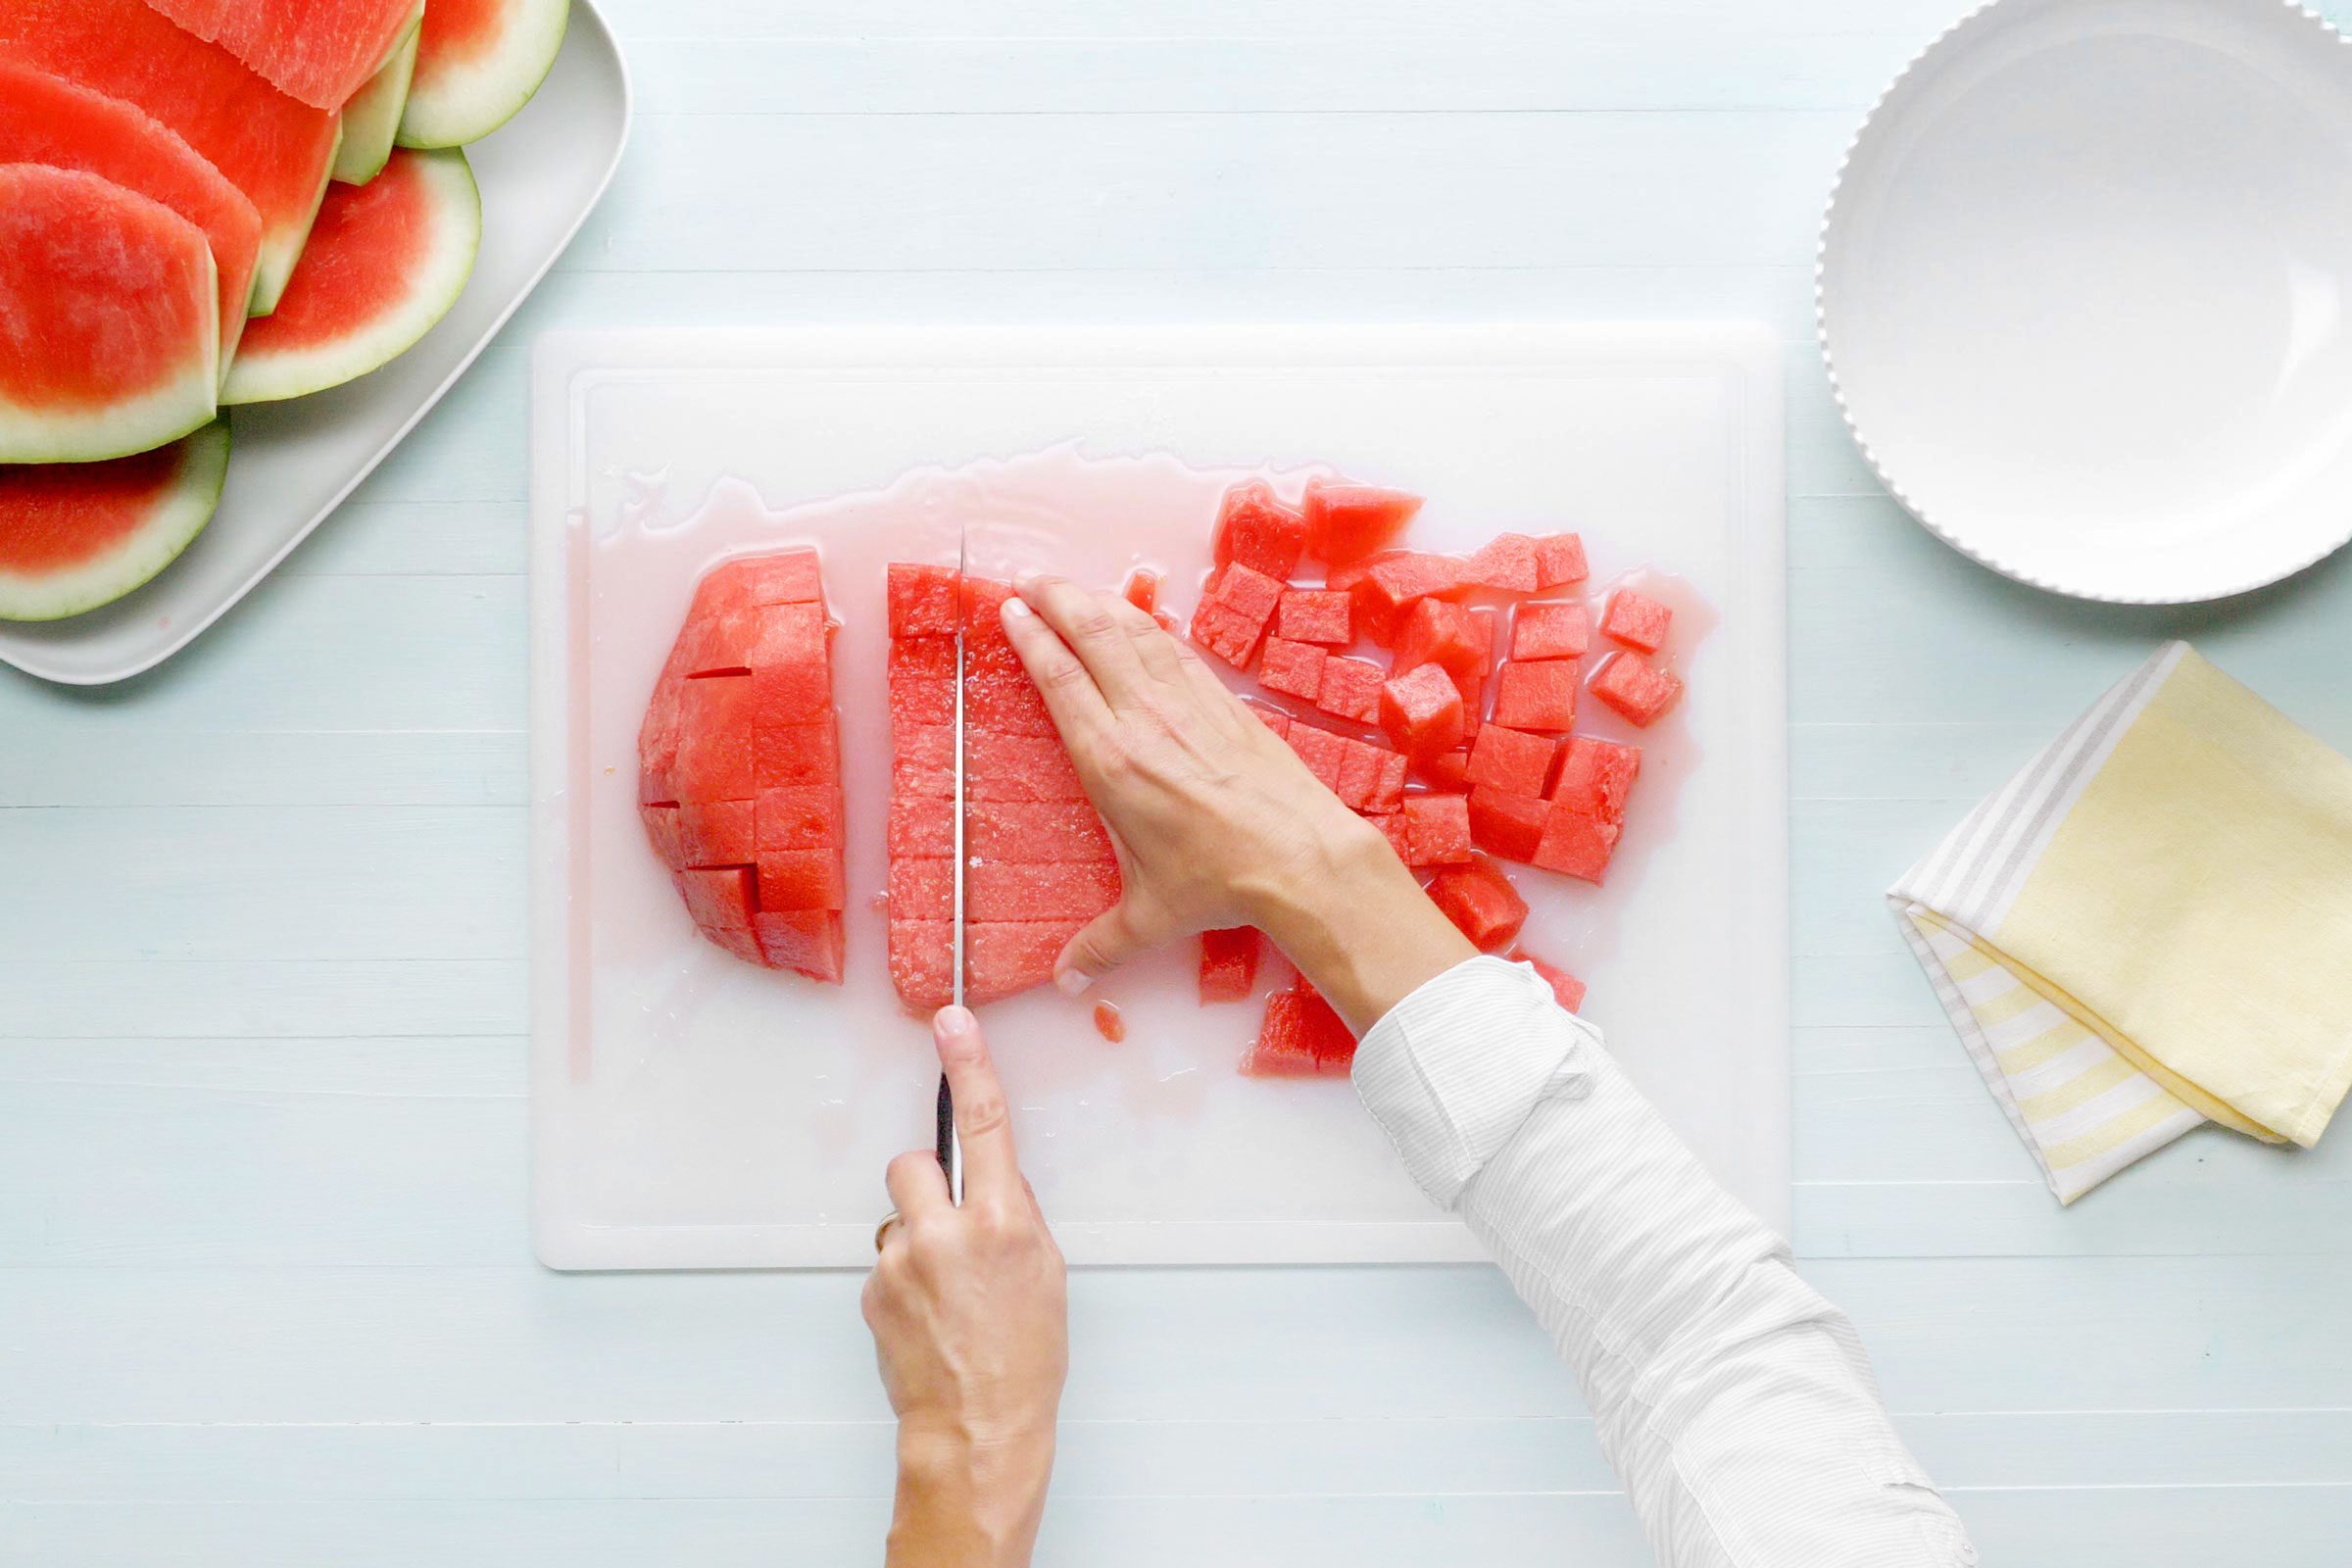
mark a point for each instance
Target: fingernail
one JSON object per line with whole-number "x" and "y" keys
{"x": 1072, "y": 981}
{"x": 1015, "y": 608}
{"x": 954, "y": 1021}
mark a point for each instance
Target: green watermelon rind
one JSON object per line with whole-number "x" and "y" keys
{"x": 179, "y": 518}
{"x": 486, "y": 97}
{"x": 368, "y": 141}
{"x": 274, "y": 379}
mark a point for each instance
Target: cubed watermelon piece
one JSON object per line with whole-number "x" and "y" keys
{"x": 1345, "y": 523}
{"x": 1351, "y": 690}
{"x": 1316, "y": 615}
{"x": 1576, "y": 844}
{"x": 922, "y": 600}
{"x": 1596, "y": 777}
{"x": 1637, "y": 620}
{"x": 1221, "y": 630}
{"x": 1234, "y": 611}
{"x": 1143, "y": 590}
{"x": 997, "y": 891}
{"x": 1387, "y": 586}
{"x": 800, "y": 816}
{"x": 1295, "y": 669}
{"x": 1392, "y": 826}
{"x": 1559, "y": 561}
{"x": 1259, "y": 531}
{"x": 921, "y": 827}
{"x": 1447, "y": 770}
{"x": 1000, "y": 958}
{"x": 1505, "y": 824}
{"x": 1506, "y": 565}
{"x": 809, "y": 940}
{"x": 797, "y": 753}
{"x": 662, "y": 830}
{"x": 1437, "y": 631}
{"x": 719, "y": 898}
{"x": 1566, "y": 989}
{"x": 1550, "y": 629}
{"x": 1511, "y": 760}
{"x": 1371, "y": 778}
{"x": 1274, "y": 719}
{"x": 1323, "y": 753}
{"x": 1436, "y": 829}
{"x": 922, "y": 889}
{"x": 1035, "y": 830}
{"x": 787, "y": 578}
{"x": 997, "y": 766}
{"x": 1228, "y": 964}
{"x": 1248, "y": 592}
{"x": 918, "y": 703}
{"x": 915, "y": 658}
{"x": 715, "y": 741}
{"x": 1422, "y": 712}
{"x": 784, "y": 694}
{"x": 1535, "y": 694}
{"x": 716, "y": 833}
{"x": 1636, "y": 687}
{"x": 1301, "y": 1037}
{"x": 801, "y": 879}
{"x": 1004, "y": 705}
{"x": 1482, "y": 903}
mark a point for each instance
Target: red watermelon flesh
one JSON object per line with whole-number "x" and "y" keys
{"x": 1482, "y": 903}
{"x": 1636, "y": 687}
{"x": 477, "y": 63}
{"x": 746, "y": 815}
{"x": 1436, "y": 830}
{"x": 1039, "y": 863}
{"x": 109, "y": 320}
{"x": 1259, "y": 531}
{"x": 78, "y": 535}
{"x": 1228, "y": 963}
{"x": 276, "y": 149}
{"x": 1566, "y": 989}
{"x": 1301, "y": 1037}
{"x": 45, "y": 119}
{"x": 1345, "y": 523}
{"x": 319, "y": 51}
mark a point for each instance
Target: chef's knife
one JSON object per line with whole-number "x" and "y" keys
{"x": 951, "y": 1146}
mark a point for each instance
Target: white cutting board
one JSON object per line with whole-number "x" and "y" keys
{"x": 693, "y": 1111}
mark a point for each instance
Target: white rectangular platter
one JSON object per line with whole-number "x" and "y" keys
{"x": 693, "y": 1111}
{"x": 292, "y": 464}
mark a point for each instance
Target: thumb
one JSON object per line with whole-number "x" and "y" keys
{"x": 1110, "y": 940}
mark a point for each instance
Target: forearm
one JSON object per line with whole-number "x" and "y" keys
{"x": 962, "y": 1505}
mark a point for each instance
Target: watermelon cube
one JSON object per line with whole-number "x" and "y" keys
{"x": 1316, "y": 615}
{"x": 1437, "y": 631}
{"x": 917, "y": 658}
{"x": 1008, "y": 890}
{"x": 921, "y": 827}
{"x": 1447, "y": 770}
{"x": 1559, "y": 561}
{"x": 1550, "y": 629}
{"x": 1222, "y": 630}
{"x": 1143, "y": 590}
{"x": 1636, "y": 687}
{"x": 1392, "y": 827}
{"x": 1436, "y": 829}
{"x": 1480, "y": 901}
{"x": 1345, "y": 523}
{"x": 1636, "y": 620}
{"x": 922, "y": 600}
{"x": 797, "y": 753}
{"x": 1274, "y": 719}
{"x": 920, "y": 888}
{"x": 1234, "y": 610}
{"x": 716, "y": 833}
{"x": 801, "y": 879}
{"x": 1388, "y": 585}
{"x": 1576, "y": 844}
{"x": 1511, "y": 760}
{"x": 1371, "y": 777}
{"x": 1422, "y": 712}
{"x": 1506, "y": 565}
{"x": 1295, "y": 669}
{"x": 662, "y": 830}
{"x": 1323, "y": 753}
{"x": 1004, "y": 705}
{"x": 1301, "y": 1037}
{"x": 1566, "y": 989}
{"x": 1259, "y": 531}
{"x": 1228, "y": 964}
{"x": 1034, "y": 830}
{"x": 719, "y": 898}
{"x": 1351, "y": 690}
{"x": 800, "y": 816}
{"x": 1535, "y": 694}
{"x": 1505, "y": 824}
{"x": 1248, "y": 592}
{"x": 1596, "y": 777}
{"x": 809, "y": 940}
{"x": 714, "y": 758}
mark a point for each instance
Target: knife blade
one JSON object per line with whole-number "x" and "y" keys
{"x": 950, "y": 1145}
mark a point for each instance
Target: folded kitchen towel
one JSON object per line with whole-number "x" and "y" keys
{"x": 2151, "y": 925}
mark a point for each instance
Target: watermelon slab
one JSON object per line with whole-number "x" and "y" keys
{"x": 385, "y": 262}
{"x": 747, "y": 813}
{"x": 372, "y": 118}
{"x": 477, "y": 63}
{"x": 110, "y": 326}
{"x": 78, "y": 535}
{"x": 274, "y": 149}
{"x": 318, "y": 51}
{"x": 45, "y": 119}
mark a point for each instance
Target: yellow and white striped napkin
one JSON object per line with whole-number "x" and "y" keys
{"x": 2151, "y": 925}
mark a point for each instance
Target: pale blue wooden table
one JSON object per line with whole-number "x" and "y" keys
{"x": 265, "y": 1294}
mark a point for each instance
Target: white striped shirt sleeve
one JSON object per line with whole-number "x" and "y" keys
{"x": 1736, "y": 1404}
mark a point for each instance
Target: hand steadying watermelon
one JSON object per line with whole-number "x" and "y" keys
{"x": 739, "y": 761}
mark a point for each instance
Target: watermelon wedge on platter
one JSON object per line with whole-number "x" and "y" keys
{"x": 320, "y": 52}
{"x": 77, "y": 535}
{"x": 478, "y": 62}
{"x": 372, "y": 118}
{"x": 45, "y": 119}
{"x": 109, "y": 331}
{"x": 385, "y": 262}
{"x": 276, "y": 149}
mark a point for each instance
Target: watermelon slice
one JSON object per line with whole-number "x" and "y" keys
{"x": 478, "y": 62}
{"x": 748, "y": 817}
{"x": 274, "y": 148}
{"x": 45, "y": 119}
{"x": 78, "y": 535}
{"x": 372, "y": 118}
{"x": 319, "y": 51}
{"x": 110, "y": 334}
{"x": 386, "y": 261}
